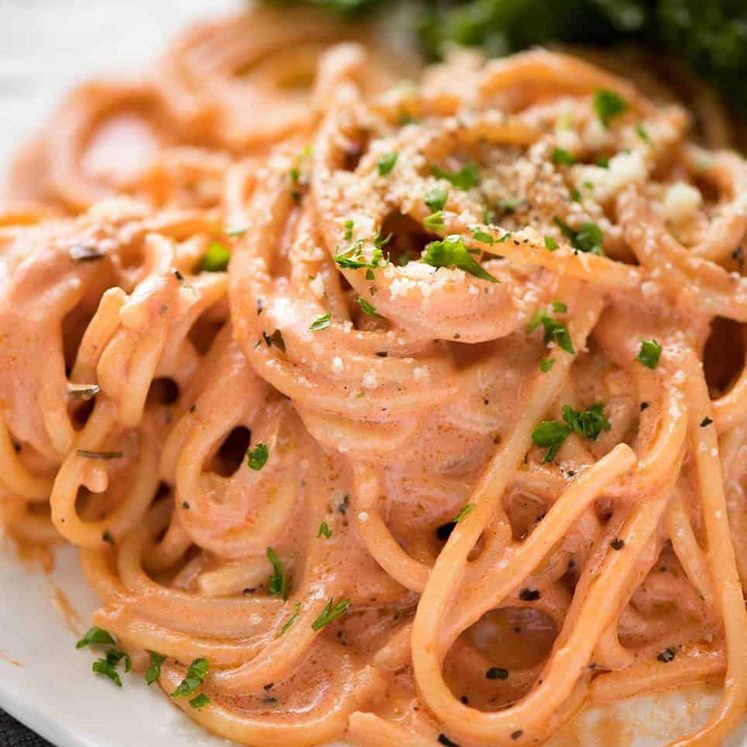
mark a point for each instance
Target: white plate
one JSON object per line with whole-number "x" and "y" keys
{"x": 45, "y": 46}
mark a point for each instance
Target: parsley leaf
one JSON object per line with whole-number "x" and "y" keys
{"x": 649, "y": 353}
{"x": 588, "y": 423}
{"x": 321, "y": 322}
{"x": 195, "y": 676}
{"x": 555, "y": 331}
{"x": 479, "y": 235}
{"x": 257, "y": 457}
{"x": 348, "y": 234}
{"x": 278, "y": 583}
{"x": 466, "y": 510}
{"x": 353, "y": 259}
{"x": 434, "y": 221}
{"x": 588, "y": 239}
{"x": 215, "y": 259}
{"x": 607, "y": 105}
{"x": 330, "y": 612}
{"x": 324, "y": 530}
{"x": 96, "y": 637}
{"x": 291, "y": 621}
{"x": 386, "y": 163}
{"x": 509, "y": 204}
{"x": 199, "y": 701}
{"x": 465, "y": 178}
{"x": 451, "y": 252}
{"x": 105, "y": 668}
{"x": 546, "y": 364}
{"x": 562, "y": 157}
{"x": 153, "y": 672}
{"x": 435, "y": 198}
{"x": 368, "y": 308}
{"x": 550, "y": 243}
{"x": 550, "y": 435}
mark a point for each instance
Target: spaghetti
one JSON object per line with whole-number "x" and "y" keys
{"x": 410, "y": 414}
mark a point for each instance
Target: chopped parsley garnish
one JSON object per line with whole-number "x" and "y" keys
{"x": 368, "y": 308}
{"x": 215, "y": 259}
{"x": 386, "y": 163}
{"x": 257, "y": 457}
{"x": 86, "y": 454}
{"x": 555, "y": 331}
{"x": 642, "y": 133}
{"x": 465, "y": 178}
{"x": 588, "y": 423}
{"x": 291, "y": 621}
{"x": 435, "y": 198}
{"x": 451, "y": 252}
{"x": 496, "y": 673}
{"x": 153, "y": 672}
{"x": 550, "y": 243}
{"x": 705, "y": 422}
{"x": 466, "y": 510}
{"x": 588, "y": 239}
{"x": 551, "y": 434}
{"x": 546, "y": 364}
{"x": 353, "y": 259}
{"x": 107, "y": 666}
{"x": 607, "y": 105}
{"x": 195, "y": 676}
{"x": 559, "y": 306}
{"x": 479, "y": 235}
{"x": 330, "y": 612}
{"x": 96, "y": 637}
{"x": 321, "y": 322}
{"x": 348, "y": 234}
{"x": 509, "y": 204}
{"x": 649, "y": 353}
{"x": 324, "y": 530}
{"x": 278, "y": 583}
{"x": 434, "y": 221}
{"x": 562, "y": 157}
{"x": 82, "y": 391}
{"x": 603, "y": 162}
{"x": 381, "y": 241}
{"x": 575, "y": 195}
{"x": 667, "y": 655}
{"x": 199, "y": 701}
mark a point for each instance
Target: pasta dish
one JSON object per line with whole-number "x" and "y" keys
{"x": 385, "y": 402}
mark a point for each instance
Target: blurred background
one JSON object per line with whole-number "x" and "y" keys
{"x": 48, "y": 45}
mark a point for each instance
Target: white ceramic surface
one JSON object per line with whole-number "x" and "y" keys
{"x": 45, "y": 46}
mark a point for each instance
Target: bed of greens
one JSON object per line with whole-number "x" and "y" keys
{"x": 711, "y": 35}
